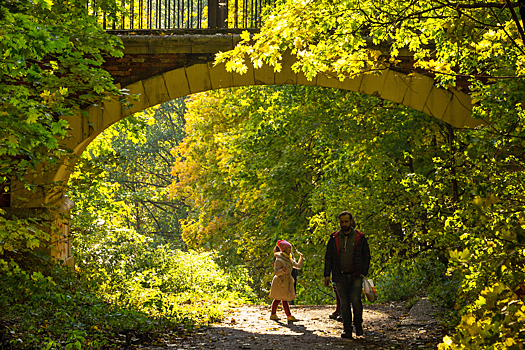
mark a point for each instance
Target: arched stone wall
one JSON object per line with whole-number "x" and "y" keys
{"x": 412, "y": 90}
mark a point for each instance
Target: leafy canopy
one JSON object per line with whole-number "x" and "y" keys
{"x": 260, "y": 164}
{"x": 50, "y": 58}
{"x": 122, "y": 178}
{"x": 469, "y": 201}
{"x": 447, "y": 38}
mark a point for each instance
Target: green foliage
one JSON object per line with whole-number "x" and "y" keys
{"x": 46, "y": 46}
{"x": 468, "y": 38}
{"x": 161, "y": 296}
{"x": 494, "y": 321}
{"x": 137, "y": 270}
{"x": 130, "y": 286}
{"x": 414, "y": 279}
{"x": 50, "y": 58}
{"x": 122, "y": 178}
{"x": 441, "y": 206}
{"x": 49, "y": 308}
{"x": 20, "y": 235}
{"x": 411, "y": 302}
{"x": 263, "y": 163}
{"x": 466, "y": 198}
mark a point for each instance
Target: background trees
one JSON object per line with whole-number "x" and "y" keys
{"x": 50, "y": 58}
{"x": 134, "y": 280}
{"x": 260, "y": 164}
{"x": 469, "y": 202}
{"x": 122, "y": 179}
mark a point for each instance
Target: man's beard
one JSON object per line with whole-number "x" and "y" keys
{"x": 346, "y": 228}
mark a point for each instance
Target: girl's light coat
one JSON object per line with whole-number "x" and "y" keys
{"x": 282, "y": 283}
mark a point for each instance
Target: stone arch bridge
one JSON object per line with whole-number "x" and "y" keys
{"x": 160, "y": 68}
{"x": 163, "y": 67}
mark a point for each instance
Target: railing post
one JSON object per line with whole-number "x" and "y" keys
{"x": 217, "y": 14}
{"x": 223, "y": 14}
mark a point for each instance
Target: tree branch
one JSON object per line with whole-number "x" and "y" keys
{"x": 515, "y": 18}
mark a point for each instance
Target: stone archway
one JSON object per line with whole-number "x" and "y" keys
{"x": 413, "y": 90}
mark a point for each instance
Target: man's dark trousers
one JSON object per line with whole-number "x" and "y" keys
{"x": 349, "y": 288}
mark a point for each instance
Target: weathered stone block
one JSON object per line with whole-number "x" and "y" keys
{"x": 111, "y": 113}
{"x": 92, "y": 123}
{"x": 156, "y": 90}
{"x": 396, "y": 86}
{"x": 177, "y": 83}
{"x": 140, "y": 105}
{"x": 286, "y": 75}
{"x": 459, "y": 112}
{"x": 219, "y": 77}
{"x": 417, "y": 92}
{"x": 264, "y": 75}
{"x": 351, "y": 84}
{"x": 211, "y": 44}
{"x": 373, "y": 83}
{"x": 437, "y": 102}
{"x": 246, "y": 79}
{"x": 326, "y": 80}
{"x": 198, "y": 77}
{"x": 302, "y": 80}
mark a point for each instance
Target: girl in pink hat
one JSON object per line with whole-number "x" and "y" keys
{"x": 282, "y": 283}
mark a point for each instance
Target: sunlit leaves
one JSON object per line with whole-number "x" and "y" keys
{"x": 465, "y": 38}
{"x": 421, "y": 190}
{"x": 45, "y": 76}
{"x": 264, "y": 160}
{"x": 120, "y": 281}
{"x": 50, "y": 57}
{"x": 496, "y": 321}
{"x": 122, "y": 178}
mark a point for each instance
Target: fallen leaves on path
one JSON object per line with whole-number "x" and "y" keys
{"x": 249, "y": 327}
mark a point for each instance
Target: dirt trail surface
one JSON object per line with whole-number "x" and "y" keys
{"x": 386, "y": 326}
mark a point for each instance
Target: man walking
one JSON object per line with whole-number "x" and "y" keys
{"x": 347, "y": 259}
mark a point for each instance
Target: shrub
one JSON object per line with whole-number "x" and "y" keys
{"x": 422, "y": 278}
{"x": 125, "y": 291}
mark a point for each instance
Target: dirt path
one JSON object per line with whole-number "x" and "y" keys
{"x": 387, "y": 326}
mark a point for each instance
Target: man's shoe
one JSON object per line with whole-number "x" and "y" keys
{"x": 346, "y": 335}
{"x": 274, "y": 317}
{"x": 334, "y": 315}
{"x": 339, "y": 318}
{"x": 358, "y": 331}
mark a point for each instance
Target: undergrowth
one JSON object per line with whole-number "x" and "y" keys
{"x": 425, "y": 278}
{"x": 111, "y": 300}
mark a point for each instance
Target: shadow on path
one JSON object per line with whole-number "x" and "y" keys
{"x": 249, "y": 327}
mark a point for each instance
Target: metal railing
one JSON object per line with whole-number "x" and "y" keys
{"x": 185, "y": 14}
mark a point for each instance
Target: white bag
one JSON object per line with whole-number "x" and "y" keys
{"x": 370, "y": 291}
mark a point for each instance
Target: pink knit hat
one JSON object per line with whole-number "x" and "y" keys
{"x": 282, "y": 244}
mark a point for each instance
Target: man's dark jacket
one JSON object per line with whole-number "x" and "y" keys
{"x": 361, "y": 256}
